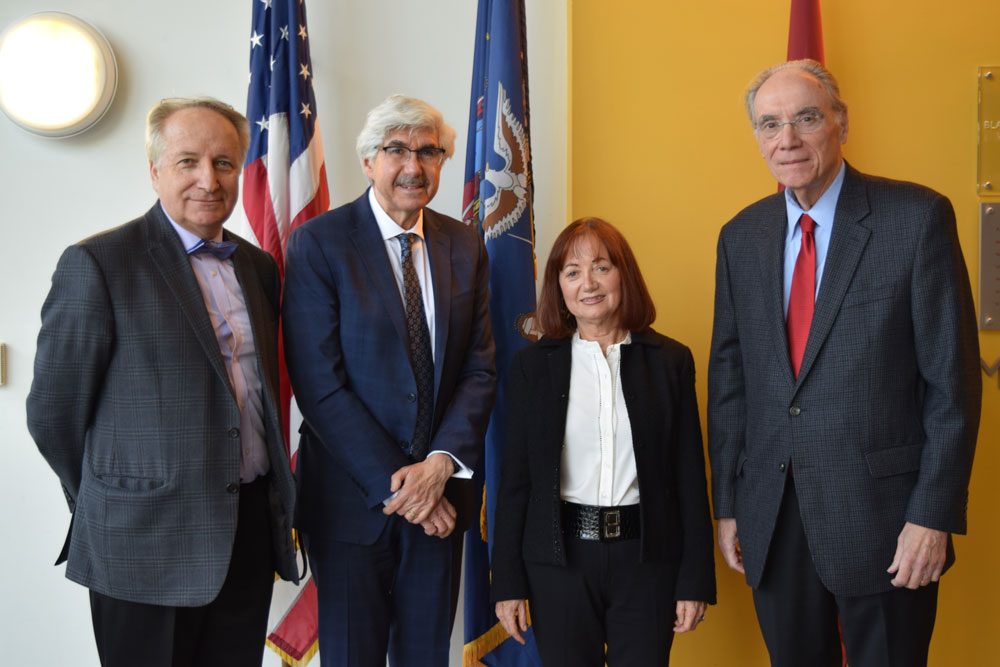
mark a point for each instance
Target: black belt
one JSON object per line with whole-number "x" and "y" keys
{"x": 603, "y": 524}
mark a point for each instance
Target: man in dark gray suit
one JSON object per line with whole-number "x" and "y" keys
{"x": 842, "y": 436}
{"x": 155, "y": 402}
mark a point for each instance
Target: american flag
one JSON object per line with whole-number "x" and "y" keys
{"x": 284, "y": 179}
{"x": 284, "y": 184}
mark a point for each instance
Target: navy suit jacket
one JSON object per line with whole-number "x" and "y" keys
{"x": 346, "y": 347}
{"x": 881, "y": 422}
{"x": 132, "y": 407}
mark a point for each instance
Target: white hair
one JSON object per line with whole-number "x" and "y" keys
{"x": 399, "y": 112}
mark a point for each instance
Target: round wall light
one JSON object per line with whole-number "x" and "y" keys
{"x": 58, "y": 74}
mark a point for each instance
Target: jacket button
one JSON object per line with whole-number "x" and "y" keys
{"x": 234, "y": 432}
{"x": 404, "y": 444}
{"x": 411, "y": 397}
{"x": 232, "y": 487}
{"x": 781, "y": 467}
{"x": 794, "y": 411}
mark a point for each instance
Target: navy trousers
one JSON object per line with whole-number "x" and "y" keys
{"x": 396, "y": 597}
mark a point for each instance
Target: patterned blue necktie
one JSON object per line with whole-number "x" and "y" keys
{"x": 421, "y": 357}
{"x": 222, "y": 250}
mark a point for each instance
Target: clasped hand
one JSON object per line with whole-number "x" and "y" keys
{"x": 419, "y": 498}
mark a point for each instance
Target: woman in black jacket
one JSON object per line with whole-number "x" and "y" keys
{"x": 602, "y": 517}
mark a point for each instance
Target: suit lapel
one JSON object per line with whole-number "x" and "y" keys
{"x": 257, "y": 308}
{"x": 439, "y": 253}
{"x": 167, "y": 255}
{"x": 771, "y": 252}
{"x": 850, "y": 236}
{"x": 371, "y": 248}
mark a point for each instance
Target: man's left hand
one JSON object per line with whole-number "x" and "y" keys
{"x": 920, "y": 555}
{"x": 419, "y": 486}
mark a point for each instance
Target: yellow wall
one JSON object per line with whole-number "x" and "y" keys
{"x": 661, "y": 147}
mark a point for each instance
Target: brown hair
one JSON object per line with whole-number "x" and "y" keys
{"x": 637, "y": 311}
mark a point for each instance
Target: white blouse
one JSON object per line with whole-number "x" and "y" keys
{"x": 598, "y": 463}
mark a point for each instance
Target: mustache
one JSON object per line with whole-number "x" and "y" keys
{"x": 412, "y": 180}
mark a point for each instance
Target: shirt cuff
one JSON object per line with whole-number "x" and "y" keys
{"x": 462, "y": 471}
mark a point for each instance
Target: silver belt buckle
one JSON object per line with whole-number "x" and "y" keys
{"x": 612, "y": 524}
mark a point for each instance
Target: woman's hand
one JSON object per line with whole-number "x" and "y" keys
{"x": 513, "y": 615}
{"x": 689, "y": 614}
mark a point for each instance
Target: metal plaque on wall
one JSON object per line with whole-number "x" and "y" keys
{"x": 989, "y": 131}
{"x": 989, "y": 265}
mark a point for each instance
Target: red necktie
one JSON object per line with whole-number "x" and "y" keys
{"x": 802, "y": 298}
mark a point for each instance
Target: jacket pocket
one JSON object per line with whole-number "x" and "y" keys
{"x": 860, "y": 297}
{"x": 130, "y": 483}
{"x": 894, "y": 460}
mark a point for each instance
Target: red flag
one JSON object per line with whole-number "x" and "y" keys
{"x": 805, "y": 31}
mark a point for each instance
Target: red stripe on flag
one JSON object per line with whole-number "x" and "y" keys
{"x": 260, "y": 211}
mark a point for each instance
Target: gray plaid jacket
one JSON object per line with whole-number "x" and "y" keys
{"x": 132, "y": 408}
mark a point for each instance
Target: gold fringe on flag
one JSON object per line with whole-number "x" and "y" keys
{"x": 486, "y": 642}
{"x": 290, "y": 660}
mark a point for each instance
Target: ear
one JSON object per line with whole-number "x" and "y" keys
{"x": 154, "y": 176}
{"x": 843, "y": 127}
{"x": 368, "y": 165}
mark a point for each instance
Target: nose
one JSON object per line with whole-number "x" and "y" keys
{"x": 208, "y": 179}
{"x": 589, "y": 283}
{"x": 788, "y": 136}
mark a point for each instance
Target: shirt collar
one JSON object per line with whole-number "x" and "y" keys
{"x": 387, "y": 226}
{"x": 824, "y": 210}
{"x": 189, "y": 239}
{"x": 594, "y": 346}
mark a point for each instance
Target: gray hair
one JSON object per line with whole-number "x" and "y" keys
{"x": 162, "y": 110}
{"x": 810, "y": 67}
{"x": 399, "y": 112}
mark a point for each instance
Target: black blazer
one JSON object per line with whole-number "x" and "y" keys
{"x": 658, "y": 383}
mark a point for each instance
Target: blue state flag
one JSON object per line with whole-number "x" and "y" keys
{"x": 498, "y": 201}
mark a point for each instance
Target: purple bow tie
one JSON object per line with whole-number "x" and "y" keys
{"x": 222, "y": 250}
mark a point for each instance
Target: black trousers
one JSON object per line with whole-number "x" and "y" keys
{"x": 230, "y": 630}
{"x": 603, "y": 596}
{"x": 798, "y": 615}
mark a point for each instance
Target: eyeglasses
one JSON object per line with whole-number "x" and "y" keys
{"x": 803, "y": 124}
{"x": 427, "y": 155}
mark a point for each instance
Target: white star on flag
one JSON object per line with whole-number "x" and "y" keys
{"x": 304, "y": 71}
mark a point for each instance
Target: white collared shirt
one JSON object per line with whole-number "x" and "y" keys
{"x": 598, "y": 462}
{"x": 418, "y": 250}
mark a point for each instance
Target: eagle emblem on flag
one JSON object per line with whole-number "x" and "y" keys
{"x": 504, "y": 207}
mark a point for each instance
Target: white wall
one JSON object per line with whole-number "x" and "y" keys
{"x": 55, "y": 192}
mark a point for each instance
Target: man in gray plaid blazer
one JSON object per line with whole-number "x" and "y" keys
{"x": 841, "y": 449}
{"x": 155, "y": 401}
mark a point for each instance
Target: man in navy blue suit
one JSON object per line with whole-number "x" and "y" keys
{"x": 389, "y": 348}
